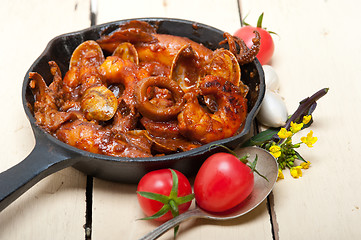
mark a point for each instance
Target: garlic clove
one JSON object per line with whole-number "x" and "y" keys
{"x": 273, "y": 111}
{"x": 271, "y": 78}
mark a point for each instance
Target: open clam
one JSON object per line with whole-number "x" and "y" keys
{"x": 186, "y": 68}
{"x": 87, "y": 53}
{"x": 127, "y": 51}
{"x": 224, "y": 64}
{"x": 169, "y": 145}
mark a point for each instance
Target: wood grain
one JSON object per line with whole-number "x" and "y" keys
{"x": 115, "y": 205}
{"x": 316, "y": 48}
{"x": 55, "y": 207}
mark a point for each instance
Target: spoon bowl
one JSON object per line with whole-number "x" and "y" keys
{"x": 266, "y": 165}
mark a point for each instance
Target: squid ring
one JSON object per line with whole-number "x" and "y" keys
{"x": 151, "y": 111}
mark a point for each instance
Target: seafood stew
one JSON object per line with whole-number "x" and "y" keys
{"x": 51, "y": 155}
{"x": 136, "y": 93}
{"x": 126, "y": 169}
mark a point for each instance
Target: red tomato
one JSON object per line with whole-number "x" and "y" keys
{"x": 267, "y": 45}
{"x": 222, "y": 183}
{"x": 161, "y": 182}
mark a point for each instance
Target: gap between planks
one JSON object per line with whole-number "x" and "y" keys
{"x": 89, "y": 183}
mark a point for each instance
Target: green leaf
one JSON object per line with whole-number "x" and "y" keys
{"x": 254, "y": 163}
{"x": 174, "y": 192}
{"x": 271, "y": 32}
{"x": 158, "y": 214}
{"x": 175, "y": 231}
{"x": 244, "y": 20}
{"x": 300, "y": 157}
{"x": 175, "y": 212}
{"x": 154, "y": 196}
{"x": 174, "y": 208}
{"x": 184, "y": 199}
{"x": 244, "y": 159}
{"x": 228, "y": 149}
{"x": 253, "y": 168}
{"x": 259, "y": 22}
{"x": 261, "y": 137}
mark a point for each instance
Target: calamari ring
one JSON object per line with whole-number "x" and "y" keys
{"x": 158, "y": 113}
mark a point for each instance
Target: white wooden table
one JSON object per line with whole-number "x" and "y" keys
{"x": 318, "y": 46}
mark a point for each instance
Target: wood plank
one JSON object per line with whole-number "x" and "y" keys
{"x": 55, "y": 207}
{"x": 317, "y": 48}
{"x": 115, "y": 206}
{"x": 116, "y": 213}
{"x": 219, "y": 14}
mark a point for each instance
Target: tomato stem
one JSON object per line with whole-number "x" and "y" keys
{"x": 259, "y": 22}
{"x": 170, "y": 202}
{"x": 228, "y": 149}
{"x": 253, "y": 167}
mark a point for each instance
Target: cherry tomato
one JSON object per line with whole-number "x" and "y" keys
{"x": 222, "y": 182}
{"x": 161, "y": 182}
{"x": 267, "y": 45}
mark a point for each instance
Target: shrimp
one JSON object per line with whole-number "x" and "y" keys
{"x": 116, "y": 70}
{"x": 204, "y": 126}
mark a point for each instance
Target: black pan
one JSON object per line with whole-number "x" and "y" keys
{"x": 51, "y": 155}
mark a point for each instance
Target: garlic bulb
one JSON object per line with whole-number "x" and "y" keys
{"x": 273, "y": 111}
{"x": 271, "y": 78}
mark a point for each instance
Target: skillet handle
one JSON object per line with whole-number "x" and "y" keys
{"x": 44, "y": 160}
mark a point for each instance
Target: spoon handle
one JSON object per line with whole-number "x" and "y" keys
{"x": 194, "y": 213}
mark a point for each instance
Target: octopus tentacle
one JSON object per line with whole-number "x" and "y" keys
{"x": 244, "y": 54}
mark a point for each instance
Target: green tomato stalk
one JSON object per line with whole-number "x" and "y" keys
{"x": 170, "y": 202}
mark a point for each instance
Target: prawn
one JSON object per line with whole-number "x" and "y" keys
{"x": 116, "y": 70}
{"x": 204, "y": 126}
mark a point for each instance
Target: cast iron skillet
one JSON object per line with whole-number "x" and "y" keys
{"x": 51, "y": 155}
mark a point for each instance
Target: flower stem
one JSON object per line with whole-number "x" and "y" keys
{"x": 306, "y": 107}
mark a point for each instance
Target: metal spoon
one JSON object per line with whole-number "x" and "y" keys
{"x": 266, "y": 165}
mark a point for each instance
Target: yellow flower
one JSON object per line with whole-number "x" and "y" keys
{"x": 296, "y": 172}
{"x": 283, "y": 133}
{"x": 275, "y": 151}
{"x": 309, "y": 140}
{"x": 296, "y": 127}
{"x": 280, "y": 175}
{"x": 305, "y": 165}
{"x": 306, "y": 119}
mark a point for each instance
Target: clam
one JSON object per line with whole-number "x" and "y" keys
{"x": 88, "y": 53}
{"x": 185, "y": 69}
{"x": 139, "y": 139}
{"x": 161, "y": 144}
{"x": 127, "y": 51}
{"x": 99, "y": 103}
{"x": 224, "y": 64}
{"x": 169, "y": 145}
